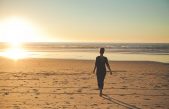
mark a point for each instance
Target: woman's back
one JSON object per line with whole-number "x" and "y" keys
{"x": 100, "y": 63}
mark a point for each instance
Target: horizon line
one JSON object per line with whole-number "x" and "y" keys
{"x": 89, "y": 42}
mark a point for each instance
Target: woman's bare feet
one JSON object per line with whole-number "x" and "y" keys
{"x": 100, "y": 92}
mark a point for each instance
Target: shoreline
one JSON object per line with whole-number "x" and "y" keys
{"x": 140, "y": 61}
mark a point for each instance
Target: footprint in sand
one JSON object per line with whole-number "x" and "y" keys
{"x": 137, "y": 96}
{"x": 36, "y": 91}
{"x": 71, "y": 97}
{"x": 158, "y": 106}
{"x": 94, "y": 105}
{"x": 67, "y": 102}
{"x": 75, "y": 107}
{"x": 6, "y": 93}
{"x": 147, "y": 99}
{"x": 36, "y": 97}
{"x": 79, "y": 90}
{"x": 16, "y": 107}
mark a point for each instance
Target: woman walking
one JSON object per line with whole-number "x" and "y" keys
{"x": 100, "y": 68}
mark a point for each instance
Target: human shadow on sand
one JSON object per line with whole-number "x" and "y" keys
{"x": 121, "y": 103}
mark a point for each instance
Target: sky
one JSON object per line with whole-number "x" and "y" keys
{"x": 119, "y": 21}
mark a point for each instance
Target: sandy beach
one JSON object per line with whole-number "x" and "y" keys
{"x": 70, "y": 84}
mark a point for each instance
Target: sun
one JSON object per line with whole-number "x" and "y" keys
{"x": 18, "y": 30}
{"x": 15, "y": 31}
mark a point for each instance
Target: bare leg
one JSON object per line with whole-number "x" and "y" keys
{"x": 101, "y": 92}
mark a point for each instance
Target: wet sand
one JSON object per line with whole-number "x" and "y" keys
{"x": 70, "y": 84}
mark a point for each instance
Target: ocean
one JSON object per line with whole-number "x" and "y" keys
{"x": 88, "y": 51}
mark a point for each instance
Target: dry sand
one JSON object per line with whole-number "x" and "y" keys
{"x": 70, "y": 84}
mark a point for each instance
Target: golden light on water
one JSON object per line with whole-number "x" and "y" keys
{"x": 15, "y": 52}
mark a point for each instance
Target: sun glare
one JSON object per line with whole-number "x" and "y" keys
{"x": 16, "y": 31}
{"x": 15, "y": 53}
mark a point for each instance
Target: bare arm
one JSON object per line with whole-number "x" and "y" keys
{"x": 108, "y": 66}
{"x": 94, "y": 68}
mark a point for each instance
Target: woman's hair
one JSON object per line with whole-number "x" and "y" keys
{"x": 102, "y": 50}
